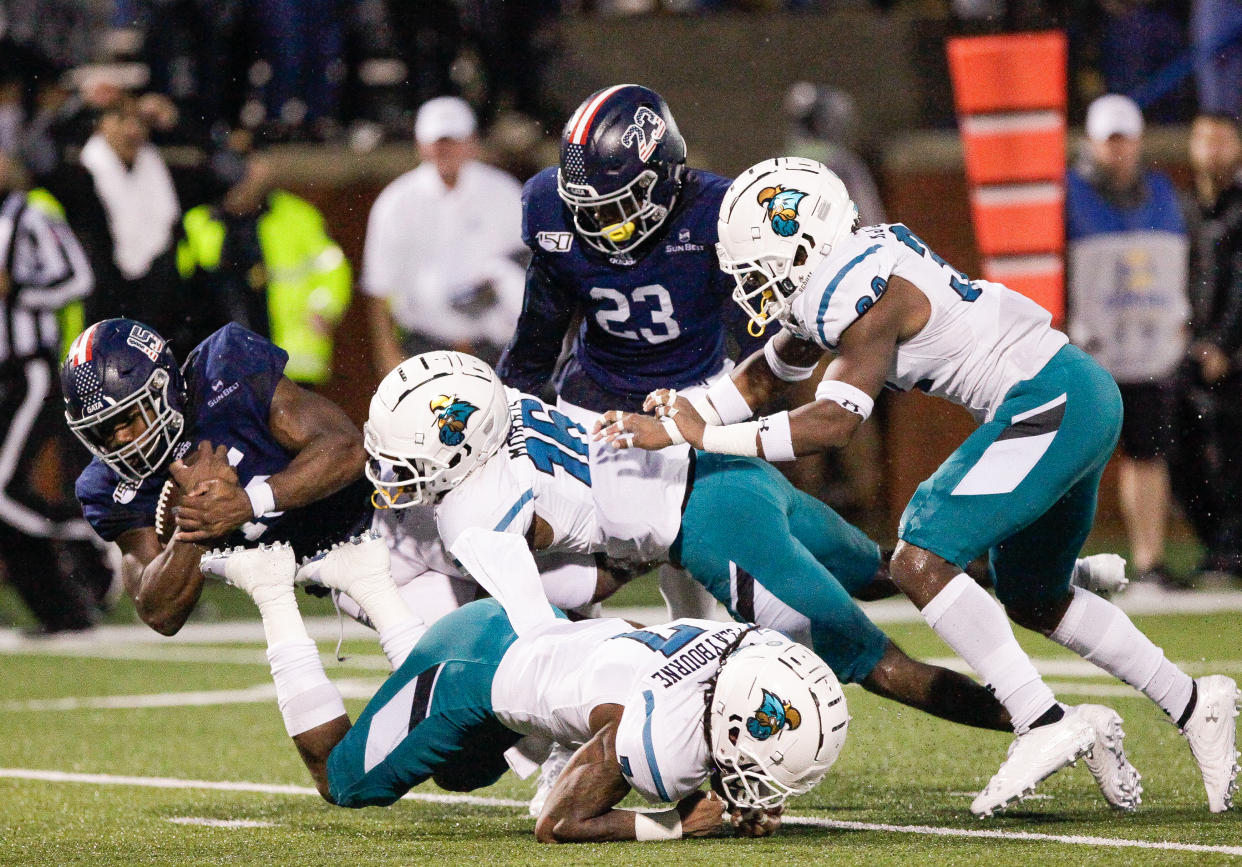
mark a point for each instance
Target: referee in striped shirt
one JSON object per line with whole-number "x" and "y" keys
{"x": 49, "y": 551}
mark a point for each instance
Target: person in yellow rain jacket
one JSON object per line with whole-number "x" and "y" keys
{"x": 266, "y": 258}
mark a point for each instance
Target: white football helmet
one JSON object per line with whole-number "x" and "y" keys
{"x": 434, "y": 419}
{"x": 778, "y": 221}
{"x": 776, "y": 720}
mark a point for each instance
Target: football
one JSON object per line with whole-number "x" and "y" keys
{"x": 172, "y": 492}
{"x": 165, "y": 524}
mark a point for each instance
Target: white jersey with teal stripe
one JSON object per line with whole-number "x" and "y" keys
{"x": 593, "y": 499}
{"x": 981, "y": 340}
{"x": 549, "y": 681}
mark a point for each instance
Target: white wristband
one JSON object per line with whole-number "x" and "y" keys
{"x": 662, "y": 825}
{"x": 732, "y": 439}
{"x": 853, "y": 399}
{"x": 782, "y": 369}
{"x": 674, "y": 432}
{"x": 729, "y": 403}
{"x": 776, "y": 438}
{"x": 262, "y": 500}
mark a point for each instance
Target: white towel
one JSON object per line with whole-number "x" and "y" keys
{"x": 141, "y": 203}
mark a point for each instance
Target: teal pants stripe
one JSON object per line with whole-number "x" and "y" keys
{"x": 742, "y": 510}
{"x": 448, "y": 732}
{"x": 1035, "y": 531}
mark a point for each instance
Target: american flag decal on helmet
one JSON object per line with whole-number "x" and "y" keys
{"x": 82, "y": 348}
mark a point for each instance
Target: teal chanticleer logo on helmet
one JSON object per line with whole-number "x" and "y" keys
{"x": 772, "y": 715}
{"x": 782, "y": 207}
{"x": 452, "y": 416}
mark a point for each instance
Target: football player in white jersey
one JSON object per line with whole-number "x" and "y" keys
{"x": 1022, "y": 487}
{"x": 442, "y": 428}
{"x": 493, "y": 684}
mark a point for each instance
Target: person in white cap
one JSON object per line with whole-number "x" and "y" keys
{"x": 1127, "y": 255}
{"x": 444, "y": 262}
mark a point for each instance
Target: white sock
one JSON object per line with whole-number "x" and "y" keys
{"x": 305, "y": 695}
{"x": 1100, "y": 632}
{"x": 377, "y": 596}
{"x": 398, "y": 640}
{"x": 278, "y": 606}
{"x": 976, "y": 627}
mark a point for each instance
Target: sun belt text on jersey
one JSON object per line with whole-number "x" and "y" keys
{"x": 982, "y": 338}
{"x": 594, "y": 498}
{"x": 231, "y": 377}
{"x": 549, "y": 682}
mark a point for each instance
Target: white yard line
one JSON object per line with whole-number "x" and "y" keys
{"x": 260, "y": 693}
{"x": 358, "y": 688}
{"x": 472, "y": 800}
{"x": 1140, "y": 599}
{"x": 1072, "y": 839}
{"x": 220, "y": 823}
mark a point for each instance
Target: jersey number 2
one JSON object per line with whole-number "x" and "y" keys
{"x": 615, "y": 319}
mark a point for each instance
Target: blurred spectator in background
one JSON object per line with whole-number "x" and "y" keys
{"x": 263, "y": 256}
{"x": 302, "y": 43}
{"x": 1216, "y": 33}
{"x": 515, "y": 40}
{"x": 823, "y": 126}
{"x": 1127, "y": 259}
{"x": 1137, "y": 39}
{"x": 427, "y": 36}
{"x": 45, "y": 545}
{"x": 198, "y": 52}
{"x": 123, "y": 206}
{"x": 1208, "y": 471}
{"x": 64, "y": 33}
{"x": 444, "y": 261}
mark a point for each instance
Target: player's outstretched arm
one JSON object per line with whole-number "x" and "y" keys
{"x": 164, "y": 581}
{"x": 327, "y": 446}
{"x": 580, "y": 808}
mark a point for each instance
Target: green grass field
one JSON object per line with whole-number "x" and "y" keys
{"x": 156, "y": 721}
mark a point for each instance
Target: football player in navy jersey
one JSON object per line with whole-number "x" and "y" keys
{"x": 623, "y": 234}
{"x": 277, "y": 463}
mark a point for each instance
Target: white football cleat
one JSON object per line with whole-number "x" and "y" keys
{"x": 1034, "y": 756}
{"x": 1119, "y": 782}
{"x": 549, "y": 772}
{"x": 355, "y": 559}
{"x": 252, "y": 569}
{"x": 1212, "y": 735}
{"x": 1100, "y": 573}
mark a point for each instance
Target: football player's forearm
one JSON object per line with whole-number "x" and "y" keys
{"x": 169, "y": 587}
{"x": 580, "y": 806}
{"x": 755, "y": 380}
{"x": 821, "y": 425}
{"x": 328, "y": 463}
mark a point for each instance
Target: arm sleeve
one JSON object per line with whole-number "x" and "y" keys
{"x": 547, "y": 309}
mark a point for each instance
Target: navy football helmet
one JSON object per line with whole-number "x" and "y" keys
{"x": 622, "y": 160}
{"x": 118, "y": 370}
